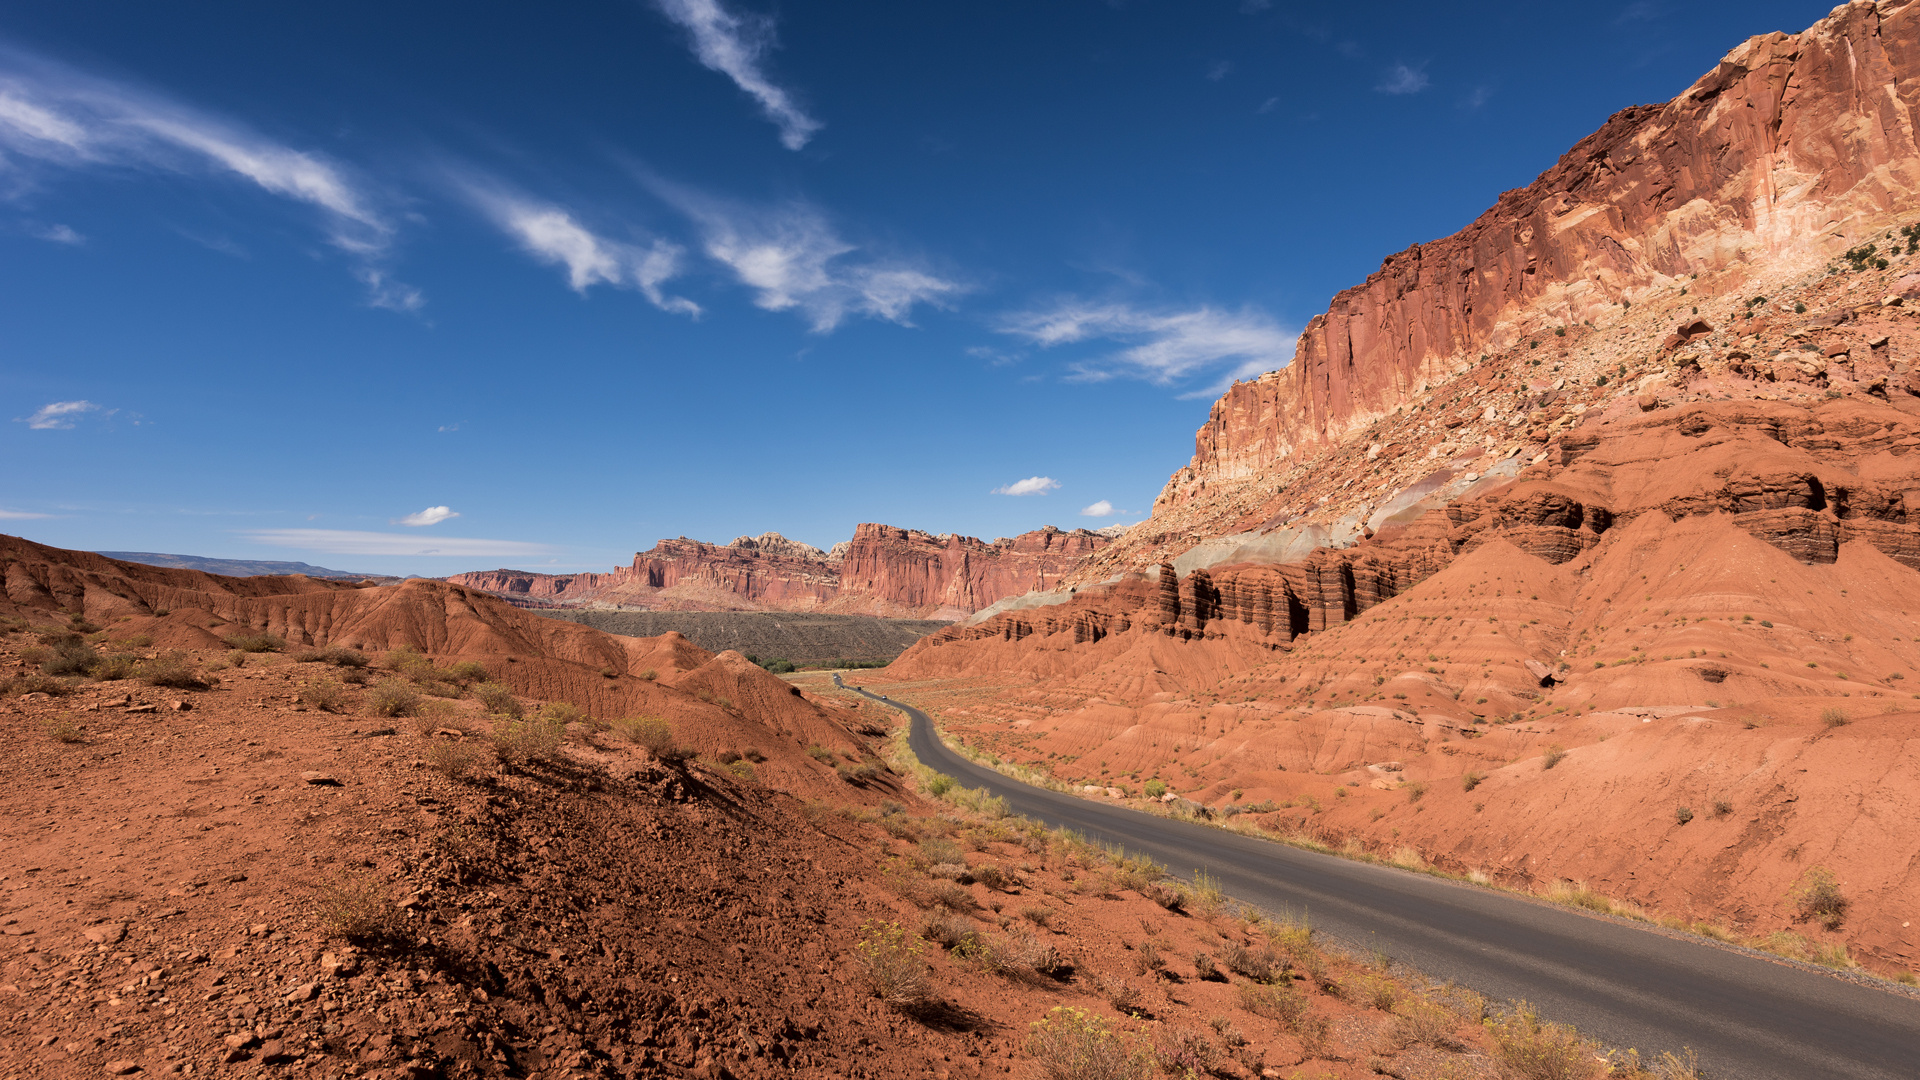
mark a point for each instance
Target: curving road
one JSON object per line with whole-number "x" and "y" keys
{"x": 1627, "y": 986}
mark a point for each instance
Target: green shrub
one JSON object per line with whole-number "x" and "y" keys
{"x": 393, "y": 697}
{"x": 1075, "y": 1044}
{"x": 467, "y": 671}
{"x": 647, "y": 732}
{"x": 527, "y": 740}
{"x": 455, "y": 759}
{"x": 117, "y": 666}
{"x": 1155, "y": 789}
{"x": 1528, "y": 1048}
{"x": 561, "y": 713}
{"x": 890, "y": 961}
{"x": 496, "y": 698}
{"x": 255, "y": 641}
{"x": 69, "y": 656}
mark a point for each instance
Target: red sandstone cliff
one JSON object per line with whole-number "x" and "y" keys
{"x": 1793, "y": 149}
{"x": 882, "y": 571}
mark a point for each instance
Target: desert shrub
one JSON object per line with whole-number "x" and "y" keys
{"x": 727, "y": 757}
{"x": 1204, "y": 967}
{"x": 649, "y": 675}
{"x": 1121, "y": 994}
{"x": 1147, "y": 958}
{"x": 1422, "y": 1023}
{"x": 940, "y": 785}
{"x": 1166, "y": 896}
{"x": 357, "y": 909}
{"x": 36, "y": 683}
{"x": 337, "y": 655}
{"x": 61, "y": 728}
{"x": 237, "y": 658}
{"x": 1037, "y": 914}
{"x": 393, "y": 697}
{"x": 526, "y": 740}
{"x": 1075, "y": 1044}
{"x": 742, "y": 770}
{"x": 1529, "y": 1048}
{"x": 324, "y": 694}
{"x": 938, "y": 849}
{"x": 1261, "y": 965}
{"x": 753, "y": 754}
{"x": 169, "y": 670}
{"x": 993, "y": 876}
{"x": 951, "y": 871}
{"x": 496, "y": 698}
{"x": 1722, "y": 807}
{"x": 1414, "y": 791}
{"x": 899, "y": 826}
{"x": 1682, "y": 814}
{"x": 1471, "y": 780}
{"x": 562, "y": 713}
{"x": 1818, "y": 897}
{"x": 255, "y": 641}
{"x": 1182, "y": 1052}
{"x": 1279, "y": 1002}
{"x": 1555, "y": 755}
{"x": 455, "y": 759}
{"x": 1155, "y": 789}
{"x": 69, "y": 656}
{"x": 117, "y": 666}
{"x": 890, "y": 961}
{"x": 467, "y": 671}
{"x": 949, "y": 895}
{"x": 1375, "y": 992}
{"x": 947, "y": 930}
{"x": 821, "y": 754}
{"x": 1833, "y": 717}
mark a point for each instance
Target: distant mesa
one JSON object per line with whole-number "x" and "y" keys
{"x": 883, "y": 570}
{"x": 234, "y": 567}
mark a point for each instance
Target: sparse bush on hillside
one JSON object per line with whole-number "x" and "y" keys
{"x": 1121, "y": 994}
{"x": 358, "y": 910}
{"x": 1184, "y": 1053}
{"x": 496, "y": 698}
{"x": 1682, "y": 815}
{"x": 1278, "y": 1001}
{"x": 1818, "y": 897}
{"x": 1261, "y": 965}
{"x": 37, "y": 683}
{"x": 324, "y": 694}
{"x": 1471, "y": 780}
{"x": 255, "y": 641}
{"x": 1555, "y": 755}
{"x": 649, "y": 733}
{"x": 890, "y": 961}
{"x": 455, "y": 759}
{"x": 1204, "y": 967}
{"x": 117, "y": 666}
{"x": 69, "y": 656}
{"x": 1155, "y": 789}
{"x": 169, "y": 670}
{"x": 947, "y": 930}
{"x": 393, "y": 697}
{"x": 1833, "y": 717}
{"x": 561, "y": 713}
{"x": 337, "y": 655}
{"x": 61, "y": 728}
{"x": 1529, "y": 1048}
{"x": 527, "y": 740}
{"x": 1075, "y": 1044}
{"x": 467, "y": 671}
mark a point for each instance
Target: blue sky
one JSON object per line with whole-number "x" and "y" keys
{"x": 421, "y": 288}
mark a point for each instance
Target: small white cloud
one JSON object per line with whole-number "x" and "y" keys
{"x": 1172, "y": 345}
{"x": 348, "y": 542}
{"x": 1032, "y": 485}
{"x": 21, "y": 515}
{"x": 1401, "y": 79}
{"x": 552, "y": 235}
{"x": 58, "y": 415}
{"x": 1103, "y": 508}
{"x": 57, "y": 234}
{"x": 1268, "y": 106}
{"x": 384, "y": 292}
{"x": 1219, "y": 69}
{"x": 444, "y": 428}
{"x": 1477, "y": 98}
{"x": 734, "y": 46}
{"x": 432, "y": 515}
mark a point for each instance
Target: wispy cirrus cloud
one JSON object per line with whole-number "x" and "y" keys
{"x": 59, "y": 415}
{"x": 793, "y": 259}
{"x": 736, "y": 46}
{"x": 1032, "y": 485}
{"x": 351, "y": 542}
{"x": 1402, "y": 79}
{"x": 1168, "y": 345}
{"x": 21, "y": 515}
{"x": 54, "y": 117}
{"x": 554, "y": 236}
{"x": 432, "y": 515}
{"x": 56, "y": 234}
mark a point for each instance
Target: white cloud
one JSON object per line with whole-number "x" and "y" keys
{"x": 1103, "y": 508}
{"x": 58, "y": 415}
{"x": 553, "y": 236}
{"x": 1219, "y": 69}
{"x": 57, "y": 117}
{"x": 21, "y": 515}
{"x": 793, "y": 260}
{"x": 432, "y": 515}
{"x": 348, "y": 542}
{"x": 57, "y": 234}
{"x": 1172, "y": 345}
{"x": 734, "y": 46}
{"x": 1401, "y": 79}
{"x": 1032, "y": 485}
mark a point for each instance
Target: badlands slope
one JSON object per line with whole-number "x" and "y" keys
{"x": 1637, "y": 491}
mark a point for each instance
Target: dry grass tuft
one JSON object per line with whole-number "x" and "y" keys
{"x": 359, "y": 910}
{"x": 890, "y": 961}
{"x": 1074, "y": 1044}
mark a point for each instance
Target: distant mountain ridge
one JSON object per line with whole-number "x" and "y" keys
{"x": 233, "y": 567}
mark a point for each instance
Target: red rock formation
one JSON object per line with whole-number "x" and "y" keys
{"x": 1794, "y": 148}
{"x": 882, "y": 571}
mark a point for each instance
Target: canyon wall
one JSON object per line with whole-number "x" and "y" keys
{"x": 883, "y": 570}
{"x": 1793, "y": 149}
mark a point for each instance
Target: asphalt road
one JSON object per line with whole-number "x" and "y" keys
{"x": 1626, "y": 986}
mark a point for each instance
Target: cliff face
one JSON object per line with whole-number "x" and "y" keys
{"x": 883, "y": 570}
{"x": 1792, "y": 150}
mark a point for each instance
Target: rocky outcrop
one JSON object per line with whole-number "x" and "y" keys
{"x": 883, "y": 570}
{"x": 1792, "y": 150}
